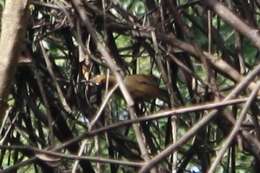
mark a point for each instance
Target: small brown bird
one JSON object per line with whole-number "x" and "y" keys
{"x": 141, "y": 87}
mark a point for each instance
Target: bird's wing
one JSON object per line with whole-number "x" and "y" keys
{"x": 143, "y": 79}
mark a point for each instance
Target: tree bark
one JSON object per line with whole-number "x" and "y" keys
{"x": 12, "y": 35}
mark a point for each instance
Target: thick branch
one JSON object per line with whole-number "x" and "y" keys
{"x": 12, "y": 34}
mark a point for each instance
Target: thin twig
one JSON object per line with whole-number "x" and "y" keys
{"x": 115, "y": 69}
{"x": 101, "y": 108}
{"x": 49, "y": 5}
{"x": 52, "y": 74}
{"x": 234, "y": 130}
{"x": 228, "y": 16}
{"x": 81, "y": 150}
{"x": 72, "y": 156}
{"x": 45, "y": 102}
{"x": 201, "y": 123}
{"x": 155, "y": 116}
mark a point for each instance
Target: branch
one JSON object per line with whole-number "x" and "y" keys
{"x": 205, "y": 120}
{"x": 12, "y": 35}
{"x": 251, "y": 33}
{"x": 235, "y": 130}
{"x": 77, "y": 4}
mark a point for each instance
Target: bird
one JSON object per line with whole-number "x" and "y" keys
{"x": 140, "y": 86}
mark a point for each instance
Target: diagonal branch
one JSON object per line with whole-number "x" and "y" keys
{"x": 235, "y": 129}
{"x": 251, "y": 33}
{"x": 205, "y": 120}
{"x": 116, "y": 71}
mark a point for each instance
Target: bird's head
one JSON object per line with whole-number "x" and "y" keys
{"x": 101, "y": 80}
{"x": 98, "y": 79}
